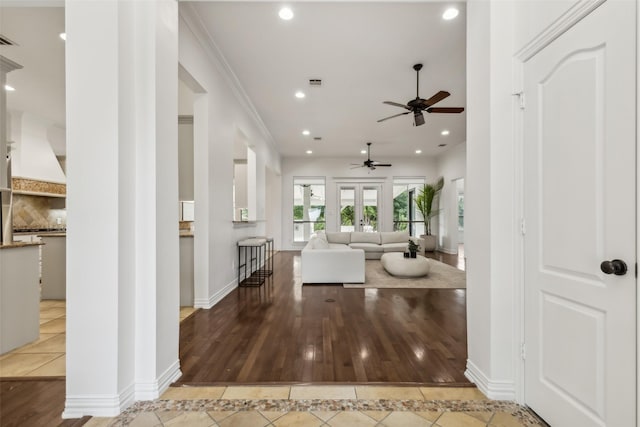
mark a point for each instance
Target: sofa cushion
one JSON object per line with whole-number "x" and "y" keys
{"x": 368, "y": 247}
{"x": 396, "y": 247}
{"x": 316, "y": 242}
{"x": 362, "y": 237}
{"x": 394, "y": 237}
{"x": 339, "y": 237}
{"x": 339, "y": 246}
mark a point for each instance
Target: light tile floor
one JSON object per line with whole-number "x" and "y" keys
{"x": 45, "y": 357}
{"x": 335, "y": 406}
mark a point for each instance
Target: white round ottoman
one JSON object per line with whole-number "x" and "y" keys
{"x": 397, "y": 265}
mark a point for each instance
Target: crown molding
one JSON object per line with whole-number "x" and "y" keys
{"x": 572, "y": 16}
{"x": 190, "y": 17}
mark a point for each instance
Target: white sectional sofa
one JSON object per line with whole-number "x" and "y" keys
{"x": 339, "y": 257}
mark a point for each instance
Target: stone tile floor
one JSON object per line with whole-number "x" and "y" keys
{"x": 336, "y": 406}
{"x": 45, "y": 357}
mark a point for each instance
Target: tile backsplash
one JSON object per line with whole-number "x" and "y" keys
{"x": 38, "y": 212}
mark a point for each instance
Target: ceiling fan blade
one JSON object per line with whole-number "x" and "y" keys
{"x": 381, "y": 164}
{"x": 391, "y": 117}
{"x": 418, "y": 117}
{"x": 397, "y": 104}
{"x": 445, "y": 110}
{"x": 435, "y": 98}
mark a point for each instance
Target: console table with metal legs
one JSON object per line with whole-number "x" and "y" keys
{"x": 267, "y": 269}
{"x": 250, "y": 255}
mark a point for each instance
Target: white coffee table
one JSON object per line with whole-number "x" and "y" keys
{"x": 397, "y": 265}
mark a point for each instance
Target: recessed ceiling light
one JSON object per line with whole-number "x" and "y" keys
{"x": 306, "y": 132}
{"x": 444, "y": 132}
{"x": 363, "y": 151}
{"x": 418, "y": 151}
{"x": 309, "y": 152}
{"x": 63, "y": 36}
{"x": 450, "y": 13}
{"x": 442, "y": 145}
{"x": 9, "y": 88}
{"x": 300, "y": 94}
{"x": 285, "y": 13}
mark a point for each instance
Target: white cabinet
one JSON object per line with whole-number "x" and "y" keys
{"x": 54, "y": 267}
{"x": 186, "y": 271}
{"x": 19, "y": 296}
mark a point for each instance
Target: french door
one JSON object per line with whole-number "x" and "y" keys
{"x": 360, "y": 207}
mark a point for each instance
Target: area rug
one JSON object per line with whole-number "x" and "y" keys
{"x": 441, "y": 276}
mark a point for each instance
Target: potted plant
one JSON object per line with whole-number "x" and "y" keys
{"x": 413, "y": 248}
{"x": 424, "y": 204}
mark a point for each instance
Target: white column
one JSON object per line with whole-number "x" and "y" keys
{"x": 122, "y": 189}
{"x": 490, "y": 202}
{"x": 6, "y": 221}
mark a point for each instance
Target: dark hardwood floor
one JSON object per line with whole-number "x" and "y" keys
{"x": 288, "y": 333}
{"x": 34, "y": 402}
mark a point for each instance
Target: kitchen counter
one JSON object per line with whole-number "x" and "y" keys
{"x": 19, "y": 245}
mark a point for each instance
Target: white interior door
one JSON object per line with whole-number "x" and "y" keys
{"x": 360, "y": 207}
{"x": 579, "y": 173}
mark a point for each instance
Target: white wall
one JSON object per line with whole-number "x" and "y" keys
{"x": 533, "y": 16}
{"x": 185, "y": 160}
{"x": 227, "y": 113}
{"x": 452, "y": 165}
{"x": 335, "y": 168}
{"x": 496, "y": 30}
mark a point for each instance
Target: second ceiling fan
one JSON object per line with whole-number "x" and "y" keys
{"x": 418, "y": 105}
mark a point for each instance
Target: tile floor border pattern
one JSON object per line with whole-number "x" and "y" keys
{"x": 285, "y": 406}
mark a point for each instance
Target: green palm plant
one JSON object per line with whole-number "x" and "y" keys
{"x": 424, "y": 202}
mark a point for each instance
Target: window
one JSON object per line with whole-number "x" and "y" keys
{"x": 308, "y": 207}
{"x": 405, "y": 216}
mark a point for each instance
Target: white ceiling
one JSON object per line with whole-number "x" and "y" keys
{"x": 362, "y": 51}
{"x": 40, "y": 50}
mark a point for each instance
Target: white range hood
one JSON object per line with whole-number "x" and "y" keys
{"x": 32, "y": 155}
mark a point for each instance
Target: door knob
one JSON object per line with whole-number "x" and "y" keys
{"x": 616, "y": 266}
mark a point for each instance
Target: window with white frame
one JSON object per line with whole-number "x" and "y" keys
{"x": 308, "y": 207}
{"x": 405, "y": 214}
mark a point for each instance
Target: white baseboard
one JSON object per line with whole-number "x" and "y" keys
{"x": 152, "y": 390}
{"x": 449, "y": 251}
{"x": 217, "y": 297}
{"x": 496, "y": 390}
{"x": 104, "y": 405}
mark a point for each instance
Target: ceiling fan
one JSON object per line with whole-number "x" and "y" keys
{"x": 418, "y": 105}
{"x": 371, "y": 164}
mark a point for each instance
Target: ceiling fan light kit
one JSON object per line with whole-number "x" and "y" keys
{"x": 418, "y": 105}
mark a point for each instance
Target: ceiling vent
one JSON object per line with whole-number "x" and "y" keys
{"x": 315, "y": 82}
{"x": 317, "y": 138}
{"x": 4, "y": 41}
